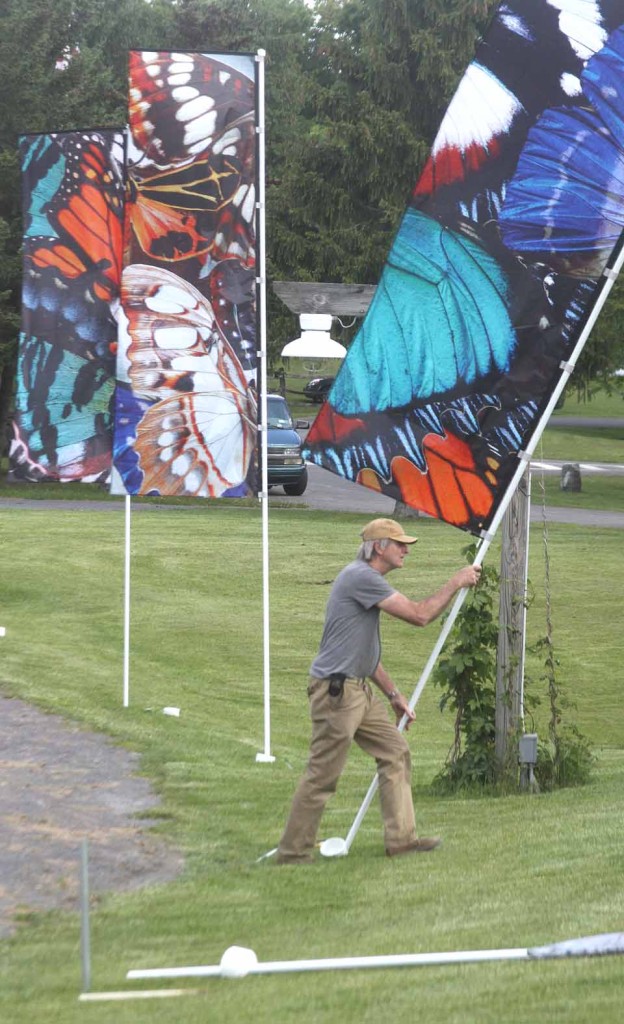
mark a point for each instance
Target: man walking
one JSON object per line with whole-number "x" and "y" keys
{"x": 343, "y": 706}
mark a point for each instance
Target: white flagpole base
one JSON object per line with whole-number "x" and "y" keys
{"x": 334, "y": 847}
{"x": 265, "y": 758}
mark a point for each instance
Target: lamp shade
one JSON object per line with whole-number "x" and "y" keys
{"x": 315, "y": 345}
{"x": 315, "y": 341}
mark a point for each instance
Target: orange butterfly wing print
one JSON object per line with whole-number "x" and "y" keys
{"x": 96, "y": 232}
{"x": 450, "y": 488}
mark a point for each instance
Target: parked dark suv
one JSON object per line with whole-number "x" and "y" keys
{"x": 285, "y": 463}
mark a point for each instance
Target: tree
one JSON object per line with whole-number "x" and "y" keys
{"x": 380, "y": 74}
{"x": 355, "y": 90}
{"x": 604, "y": 351}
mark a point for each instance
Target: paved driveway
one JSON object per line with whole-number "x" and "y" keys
{"x": 331, "y": 493}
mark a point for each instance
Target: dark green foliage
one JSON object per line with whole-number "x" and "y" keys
{"x": 467, "y": 675}
{"x": 378, "y": 77}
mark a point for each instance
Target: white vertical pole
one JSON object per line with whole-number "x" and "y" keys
{"x": 265, "y": 755}
{"x": 610, "y": 276}
{"x": 126, "y": 654}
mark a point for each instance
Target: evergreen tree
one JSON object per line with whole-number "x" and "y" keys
{"x": 381, "y": 73}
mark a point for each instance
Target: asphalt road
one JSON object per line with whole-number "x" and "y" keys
{"x": 329, "y": 492}
{"x": 332, "y": 493}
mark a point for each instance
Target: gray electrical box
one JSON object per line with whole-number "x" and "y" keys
{"x": 527, "y": 748}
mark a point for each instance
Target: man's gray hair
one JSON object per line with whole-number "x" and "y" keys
{"x": 367, "y": 548}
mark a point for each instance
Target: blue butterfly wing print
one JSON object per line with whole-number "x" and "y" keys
{"x": 564, "y": 205}
{"x": 602, "y": 84}
{"x": 565, "y": 202}
{"x": 44, "y": 161}
{"x": 73, "y": 202}
{"x": 64, "y": 426}
{"x": 405, "y": 399}
{"x": 438, "y": 322}
{"x": 531, "y": 57}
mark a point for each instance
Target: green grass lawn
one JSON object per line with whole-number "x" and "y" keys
{"x": 601, "y": 493}
{"x": 586, "y": 444}
{"x": 582, "y": 444}
{"x": 513, "y": 871}
{"x": 599, "y": 405}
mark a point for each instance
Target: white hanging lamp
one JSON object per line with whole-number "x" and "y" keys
{"x": 315, "y": 341}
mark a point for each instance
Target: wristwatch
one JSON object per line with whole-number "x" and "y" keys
{"x": 392, "y": 695}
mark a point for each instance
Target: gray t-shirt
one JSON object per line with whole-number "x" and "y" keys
{"x": 350, "y": 641}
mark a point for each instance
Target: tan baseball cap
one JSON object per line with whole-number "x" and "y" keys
{"x": 382, "y": 529}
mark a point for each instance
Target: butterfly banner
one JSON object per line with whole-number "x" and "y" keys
{"x": 72, "y": 194}
{"x": 185, "y": 407}
{"x": 494, "y": 271}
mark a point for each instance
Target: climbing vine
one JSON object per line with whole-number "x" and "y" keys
{"x": 466, "y": 674}
{"x": 566, "y": 758}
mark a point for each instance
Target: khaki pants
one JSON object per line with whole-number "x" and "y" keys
{"x": 337, "y": 721}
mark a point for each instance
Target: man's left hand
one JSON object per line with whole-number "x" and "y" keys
{"x": 401, "y": 707}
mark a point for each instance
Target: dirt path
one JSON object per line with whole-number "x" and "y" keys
{"x": 59, "y": 784}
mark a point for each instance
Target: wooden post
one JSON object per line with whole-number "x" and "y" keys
{"x": 403, "y": 511}
{"x": 512, "y": 621}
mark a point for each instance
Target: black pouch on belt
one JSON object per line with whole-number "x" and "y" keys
{"x": 336, "y": 684}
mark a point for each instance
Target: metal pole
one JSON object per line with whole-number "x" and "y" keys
{"x": 265, "y": 755}
{"x": 237, "y": 962}
{"x": 609, "y": 277}
{"x": 126, "y": 654}
{"x": 338, "y": 964}
{"x": 85, "y": 940}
